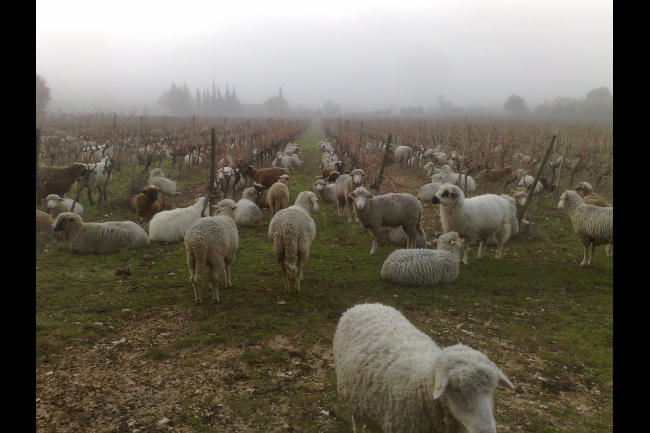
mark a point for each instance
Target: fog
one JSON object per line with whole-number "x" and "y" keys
{"x": 363, "y": 55}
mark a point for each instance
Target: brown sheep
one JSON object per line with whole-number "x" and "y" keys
{"x": 266, "y": 176}
{"x": 278, "y": 195}
{"x": 43, "y": 221}
{"x": 332, "y": 177}
{"x": 262, "y": 201}
{"x": 149, "y": 202}
{"x": 495, "y": 174}
{"x": 338, "y": 166}
{"x": 588, "y": 195}
{"x": 58, "y": 180}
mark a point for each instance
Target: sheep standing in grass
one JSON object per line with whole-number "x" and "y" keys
{"x": 388, "y": 210}
{"x": 588, "y": 195}
{"x": 99, "y": 238}
{"x": 212, "y": 241}
{"x": 166, "y": 186}
{"x": 345, "y": 184}
{"x": 292, "y": 231}
{"x": 423, "y": 267}
{"x": 171, "y": 225}
{"x": 594, "y": 225}
{"x": 480, "y": 217}
{"x": 326, "y": 191}
{"x": 278, "y": 195}
{"x": 248, "y": 214}
{"x": 395, "y": 379}
{"x": 403, "y": 154}
{"x": 54, "y": 205}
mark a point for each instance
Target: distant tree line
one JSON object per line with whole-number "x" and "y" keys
{"x": 179, "y": 101}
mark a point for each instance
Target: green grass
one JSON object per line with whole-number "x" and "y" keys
{"x": 536, "y": 312}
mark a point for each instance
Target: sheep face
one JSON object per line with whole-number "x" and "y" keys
{"x": 319, "y": 185}
{"x": 360, "y": 197}
{"x": 563, "y": 200}
{"x": 151, "y": 191}
{"x": 447, "y": 194}
{"x": 584, "y": 188}
{"x": 156, "y": 172}
{"x": 449, "y": 241}
{"x": 64, "y": 220}
{"x": 357, "y": 176}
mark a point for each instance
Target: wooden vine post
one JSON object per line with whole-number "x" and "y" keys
{"x": 213, "y": 146}
{"x": 531, "y": 189}
{"x": 38, "y": 150}
{"x": 559, "y": 174}
{"x": 135, "y": 154}
{"x": 359, "y": 145}
{"x": 462, "y": 159}
{"x": 380, "y": 179}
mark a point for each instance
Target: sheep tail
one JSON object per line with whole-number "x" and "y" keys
{"x": 291, "y": 253}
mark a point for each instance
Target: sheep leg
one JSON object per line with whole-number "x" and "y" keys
{"x": 90, "y": 196}
{"x": 196, "y": 270}
{"x": 215, "y": 271}
{"x": 592, "y": 247}
{"x": 298, "y": 278}
{"x": 481, "y": 248}
{"x": 285, "y": 276}
{"x": 609, "y": 249}
{"x": 373, "y": 250}
{"x": 466, "y": 246}
{"x": 227, "y": 272}
{"x": 357, "y": 425}
{"x": 584, "y": 257}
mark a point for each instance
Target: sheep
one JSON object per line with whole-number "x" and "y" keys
{"x": 171, "y": 225}
{"x": 447, "y": 176}
{"x": 262, "y": 201}
{"x": 326, "y": 191}
{"x": 397, "y": 236}
{"x": 395, "y": 379}
{"x": 527, "y": 181}
{"x": 54, "y": 205}
{"x": 149, "y": 202}
{"x": 479, "y": 217}
{"x": 294, "y": 161}
{"x": 166, "y": 186}
{"x": 338, "y": 167}
{"x": 281, "y": 161}
{"x": 43, "y": 221}
{"x": 403, "y": 154}
{"x": 248, "y": 214}
{"x": 345, "y": 184}
{"x": 229, "y": 180}
{"x": 594, "y": 225}
{"x": 333, "y": 176}
{"x": 422, "y": 267}
{"x": 428, "y": 190}
{"x": 388, "y": 210}
{"x": 266, "y": 176}
{"x": 58, "y": 180}
{"x": 192, "y": 159}
{"x": 212, "y": 241}
{"x": 99, "y": 177}
{"x": 588, "y": 195}
{"x": 431, "y": 169}
{"x": 292, "y": 231}
{"x": 99, "y": 238}
{"x": 278, "y": 195}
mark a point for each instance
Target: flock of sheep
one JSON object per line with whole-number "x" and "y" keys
{"x": 393, "y": 377}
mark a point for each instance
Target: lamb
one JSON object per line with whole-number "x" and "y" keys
{"x": 278, "y": 195}
{"x": 403, "y": 154}
{"x": 99, "y": 238}
{"x": 431, "y": 169}
{"x": 248, "y": 214}
{"x": 397, "y": 236}
{"x": 171, "y": 225}
{"x": 212, "y": 241}
{"x": 326, "y": 191}
{"x": 588, "y": 195}
{"x": 594, "y": 225}
{"x": 43, "y": 221}
{"x": 292, "y": 231}
{"x": 345, "y": 184}
{"x": 166, "y": 186}
{"x": 54, "y": 205}
{"x": 479, "y": 217}
{"x": 422, "y": 267}
{"x": 266, "y": 176}
{"x": 447, "y": 176}
{"x": 388, "y": 210}
{"x": 97, "y": 179}
{"x": 58, "y": 180}
{"x": 149, "y": 202}
{"x": 428, "y": 190}
{"x": 395, "y": 379}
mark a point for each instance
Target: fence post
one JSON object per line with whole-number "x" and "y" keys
{"x": 135, "y": 155}
{"x": 559, "y": 174}
{"x": 213, "y": 146}
{"x": 529, "y": 197}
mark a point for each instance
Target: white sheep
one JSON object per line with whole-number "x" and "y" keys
{"x": 192, "y": 159}
{"x": 99, "y": 172}
{"x": 248, "y": 214}
{"x": 594, "y": 225}
{"x": 166, "y": 186}
{"x": 479, "y": 217}
{"x": 345, "y": 184}
{"x": 212, "y": 241}
{"x": 326, "y": 191}
{"x": 447, "y": 176}
{"x": 281, "y": 161}
{"x": 423, "y": 267}
{"x": 55, "y": 205}
{"x": 292, "y": 231}
{"x": 388, "y": 210}
{"x": 431, "y": 169}
{"x": 99, "y": 238}
{"x": 403, "y": 154}
{"x": 527, "y": 181}
{"x": 428, "y": 190}
{"x": 395, "y": 379}
{"x": 171, "y": 225}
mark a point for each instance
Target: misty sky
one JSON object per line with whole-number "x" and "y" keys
{"x": 360, "y": 54}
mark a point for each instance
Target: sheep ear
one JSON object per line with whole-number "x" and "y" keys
{"x": 503, "y": 380}
{"x": 351, "y": 195}
{"x": 440, "y": 382}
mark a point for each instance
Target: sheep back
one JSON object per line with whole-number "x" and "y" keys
{"x": 171, "y": 225}
{"x": 43, "y": 221}
{"x": 278, "y": 197}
